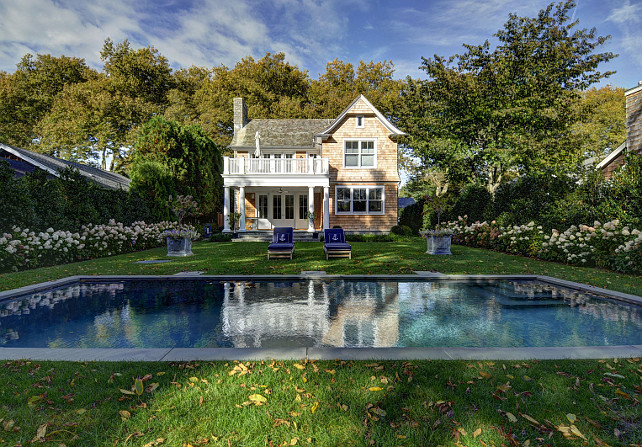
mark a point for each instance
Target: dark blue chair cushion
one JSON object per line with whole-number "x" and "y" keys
{"x": 338, "y": 246}
{"x": 283, "y": 234}
{"x": 281, "y": 246}
{"x": 334, "y": 235}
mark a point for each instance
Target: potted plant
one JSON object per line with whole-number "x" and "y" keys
{"x": 438, "y": 241}
{"x": 179, "y": 239}
{"x": 234, "y": 218}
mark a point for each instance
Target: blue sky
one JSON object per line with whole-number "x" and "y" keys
{"x": 310, "y": 32}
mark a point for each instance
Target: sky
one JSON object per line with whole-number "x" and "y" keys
{"x": 311, "y": 33}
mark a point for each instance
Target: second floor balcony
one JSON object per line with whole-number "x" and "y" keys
{"x": 275, "y": 166}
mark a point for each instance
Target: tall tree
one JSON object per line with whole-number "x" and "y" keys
{"x": 509, "y": 109}
{"x": 92, "y": 121}
{"x": 271, "y": 87}
{"x": 171, "y": 158}
{"x": 601, "y": 125}
{"x": 28, "y": 94}
{"x": 141, "y": 73}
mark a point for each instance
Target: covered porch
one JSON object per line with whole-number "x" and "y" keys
{"x": 261, "y": 208}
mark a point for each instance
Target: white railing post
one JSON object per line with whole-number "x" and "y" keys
{"x": 242, "y": 208}
{"x": 241, "y": 165}
{"x": 226, "y": 209}
{"x": 226, "y": 165}
{"x": 310, "y": 208}
{"x": 326, "y": 207}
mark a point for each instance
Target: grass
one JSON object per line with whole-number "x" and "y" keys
{"x": 322, "y": 403}
{"x": 431, "y": 403}
{"x": 250, "y": 258}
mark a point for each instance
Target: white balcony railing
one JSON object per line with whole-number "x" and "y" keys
{"x": 290, "y": 166}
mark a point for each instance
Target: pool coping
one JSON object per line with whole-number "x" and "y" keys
{"x": 313, "y": 353}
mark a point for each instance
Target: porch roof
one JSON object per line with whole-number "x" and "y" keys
{"x": 290, "y": 133}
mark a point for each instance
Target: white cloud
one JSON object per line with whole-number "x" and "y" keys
{"x": 625, "y": 13}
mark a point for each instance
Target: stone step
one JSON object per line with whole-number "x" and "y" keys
{"x": 266, "y": 236}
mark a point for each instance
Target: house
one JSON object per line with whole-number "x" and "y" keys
{"x": 312, "y": 174}
{"x": 23, "y": 161}
{"x": 633, "y": 141}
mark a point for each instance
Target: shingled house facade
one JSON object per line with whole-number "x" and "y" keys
{"x": 312, "y": 174}
{"x": 633, "y": 142}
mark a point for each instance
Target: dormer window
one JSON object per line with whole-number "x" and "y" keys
{"x": 359, "y": 121}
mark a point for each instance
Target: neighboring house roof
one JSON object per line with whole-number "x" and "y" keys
{"x": 403, "y": 202}
{"x": 54, "y": 165}
{"x": 391, "y": 127}
{"x": 280, "y": 132}
{"x": 612, "y": 156}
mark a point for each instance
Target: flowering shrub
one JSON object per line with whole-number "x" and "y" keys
{"x": 605, "y": 245}
{"x": 23, "y": 249}
{"x": 184, "y": 231}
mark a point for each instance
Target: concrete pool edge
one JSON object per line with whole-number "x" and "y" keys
{"x": 255, "y": 354}
{"x": 433, "y": 353}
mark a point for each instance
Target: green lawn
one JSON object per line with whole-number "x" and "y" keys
{"x": 333, "y": 403}
{"x": 402, "y": 257}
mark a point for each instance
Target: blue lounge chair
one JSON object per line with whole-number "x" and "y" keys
{"x": 282, "y": 243}
{"x": 334, "y": 244}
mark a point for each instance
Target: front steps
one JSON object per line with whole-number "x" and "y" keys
{"x": 266, "y": 236}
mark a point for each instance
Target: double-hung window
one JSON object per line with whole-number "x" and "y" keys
{"x": 359, "y": 154}
{"x": 359, "y": 200}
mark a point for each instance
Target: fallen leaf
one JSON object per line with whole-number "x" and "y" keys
{"x": 485, "y": 375}
{"x": 298, "y": 366}
{"x": 126, "y": 391}
{"x": 40, "y": 433}
{"x": 477, "y": 432}
{"x": 375, "y": 388}
{"x": 138, "y": 386}
{"x": 511, "y": 417}
{"x": 529, "y": 418}
{"x": 81, "y": 411}
{"x": 571, "y": 417}
{"x": 124, "y": 414}
{"x": 576, "y": 432}
{"x": 378, "y": 411}
{"x": 258, "y": 398}
{"x": 314, "y": 407}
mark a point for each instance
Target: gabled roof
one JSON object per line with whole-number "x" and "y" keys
{"x": 54, "y": 165}
{"x": 391, "y": 127}
{"x": 612, "y": 156}
{"x": 279, "y": 132}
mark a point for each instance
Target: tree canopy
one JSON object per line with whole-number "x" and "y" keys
{"x": 509, "y": 109}
{"x": 170, "y": 159}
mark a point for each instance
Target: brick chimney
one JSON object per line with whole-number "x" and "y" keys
{"x": 634, "y": 119}
{"x": 240, "y": 114}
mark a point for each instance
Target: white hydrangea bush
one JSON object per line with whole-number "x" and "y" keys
{"x": 609, "y": 245}
{"x": 24, "y": 249}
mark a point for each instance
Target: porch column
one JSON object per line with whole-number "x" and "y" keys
{"x": 226, "y": 209}
{"x": 326, "y": 207}
{"x": 242, "y": 208}
{"x": 310, "y": 208}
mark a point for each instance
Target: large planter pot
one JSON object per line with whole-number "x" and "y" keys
{"x": 439, "y": 244}
{"x": 179, "y": 247}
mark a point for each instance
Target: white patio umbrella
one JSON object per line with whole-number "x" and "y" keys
{"x": 257, "y": 138}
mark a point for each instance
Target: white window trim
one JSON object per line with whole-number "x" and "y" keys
{"x": 359, "y": 213}
{"x": 374, "y": 141}
{"x": 363, "y": 121}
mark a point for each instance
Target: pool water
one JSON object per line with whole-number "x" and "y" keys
{"x": 202, "y": 313}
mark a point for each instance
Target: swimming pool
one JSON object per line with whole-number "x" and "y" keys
{"x": 209, "y": 312}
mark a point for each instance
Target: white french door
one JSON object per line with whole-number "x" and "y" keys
{"x": 282, "y": 209}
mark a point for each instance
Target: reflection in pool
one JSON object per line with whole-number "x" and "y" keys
{"x": 315, "y": 313}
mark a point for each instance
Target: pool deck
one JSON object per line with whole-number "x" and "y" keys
{"x": 311, "y": 353}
